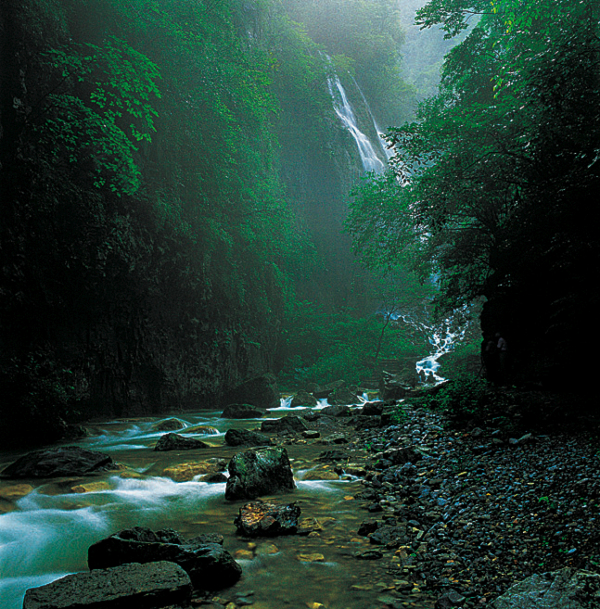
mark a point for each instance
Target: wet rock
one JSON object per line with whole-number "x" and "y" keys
{"x": 242, "y": 411}
{"x": 399, "y": 456}
{"x": 259, "y": 472}
{"x": 323, "y": 391}
{"x": 562, "y": 589}
{"x": 15, "y": 491}
{"x": 183, "y": 472}
{"x": 337, "y": 410}
{"x": 336, "y": 438}
{"x": 91, "y": 487}
{"x": 260, "y": 391}
{"x": 173, "y": 441}
{"x": 287, "y": 424}
{"x": 206, "y": 430}
{"x": 303, "y": 398}
{"x": 369, "y": 555}
{"x": 168, "y": 425}
{"x": 367, "y": 527}
{"x": 143, "y": 586}
{"x": 259, "y": 518}
{"x": 208, "y": 564}
{"x": 372, "y": 408}
{"x": 342, "y": 396}
{"x": 246, "y": 437}
{"x": 59, "y": 462}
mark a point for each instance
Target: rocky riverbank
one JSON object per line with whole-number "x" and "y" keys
{"x": 436, "y": 515}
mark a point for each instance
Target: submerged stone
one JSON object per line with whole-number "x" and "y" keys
{"x": 259, "y": 518}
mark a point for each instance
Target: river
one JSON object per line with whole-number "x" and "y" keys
{"x": 45, "y": 534}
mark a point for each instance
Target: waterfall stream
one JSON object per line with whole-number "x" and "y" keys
{"x": 370, "y": 158}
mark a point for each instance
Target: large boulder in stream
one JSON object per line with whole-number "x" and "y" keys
{"x": 208, "y": 564}
{"x": 264, "y": 471}
{"x": 342, "y": 396}
{"x": 562, "y": 589}
{"x": 173, "y": 441}
{"x": 59, "y": 462}
{"x": 246, "y": 437}
{"x": 258, "y": 518}
{"x": 303, "y": 398}
{"x": 148, "y": 586}
{"x": 260, "y": 391}
{"x": 242, "y": 411}
{"x": 287, "y": 424}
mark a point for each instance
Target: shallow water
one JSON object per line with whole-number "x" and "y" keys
{"x": 45, "y": 534}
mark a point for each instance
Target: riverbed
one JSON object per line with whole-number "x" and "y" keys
{"x": 45, "y": 533}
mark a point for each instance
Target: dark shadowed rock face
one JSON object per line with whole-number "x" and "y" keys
{"x": 148, "y": 586}
{"x": 261, "y": 391}
{"x": 259, "y": 472}
{"x": 246, "y": 437}
{"x": 208, "y": 564}
{"x": 58, "y": 462}
{"x": 259, "y": 518}
{"x": 242, "y": 411}
{"x": 173, "y": 441}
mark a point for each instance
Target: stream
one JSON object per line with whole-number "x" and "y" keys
{"x": 45, "y": 533}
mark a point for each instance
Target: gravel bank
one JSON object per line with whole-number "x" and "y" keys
{"x": 472, "y": 512}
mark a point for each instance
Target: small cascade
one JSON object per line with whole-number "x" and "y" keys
{"x": 370, "y": 159}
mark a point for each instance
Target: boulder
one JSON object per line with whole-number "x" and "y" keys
{"x": 303, "y": 398}
{"x": 342, "y": 396}
{"x": 157, "y": 584}
{"x": 287, "y": 424}
{"x": 168, "y": 425}
{"x": 246, "y": 437}
{"x": 253, "y": 473}
{"x": 261, "y": 392}
{"x": 259, "y": 518}
{"x": 562, "y": 589}
{"x": 372, "y": 408}
{"x": 208, "y": 564}
{"x": 59, "y": 462}
{"x": 173, "y": 441}
{"x": 242, "y": 411}
{"x": 336, "y": 411}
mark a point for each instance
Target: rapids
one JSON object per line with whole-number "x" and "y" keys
{"x": 45, "y": 533}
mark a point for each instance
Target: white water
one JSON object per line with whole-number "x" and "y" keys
{"x": 47, "y": 535}
{"x": 370, "y": 159}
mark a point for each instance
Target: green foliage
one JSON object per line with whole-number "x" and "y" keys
{"x": 465, "y": 398}
{"x": 322, "y": 347}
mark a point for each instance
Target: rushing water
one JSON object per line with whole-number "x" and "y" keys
{"x": 46, "y": 533}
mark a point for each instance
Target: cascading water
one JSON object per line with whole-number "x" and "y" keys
{"x": 370, "y": 159}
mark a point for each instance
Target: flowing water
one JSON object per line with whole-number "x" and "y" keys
{"x": 45, "y": 534}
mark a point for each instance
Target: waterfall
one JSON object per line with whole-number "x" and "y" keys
{"x": 370, "y": 159}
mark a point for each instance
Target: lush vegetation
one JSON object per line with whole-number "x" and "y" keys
{"x": 494, "y": 185}
{"x": 173, "y": 183}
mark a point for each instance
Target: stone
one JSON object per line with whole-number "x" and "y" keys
{"x": 259, "y": 472}
{"x": 450, "y": 599}
{"x": 242, "y": 411}
{"x": 15, "y": 491}
{"x": 372, "y": 408}
{"x": 563, "y": 589}
{"x": 143, "y": 586}
{"x": 259, "y": 518}
{"x": 184, "y": 472}
{"x": 206, "y": 430}
{"x": 91, "y": 487}
{"x": 59, "y": 462}
{"x": 303, "y": 398}
{"x": 342, "y": 396}
{"x": 287, "y": 424}
{"x": 246, "y": 437}
{"x": 260, "y": 391}
{"x": 399, "y": 456}
{"x": 173, "y": 441}
{"x": 338, "y": 410}
{"x": 208, "y": 564}
{"x": 169, "y": 425}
